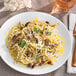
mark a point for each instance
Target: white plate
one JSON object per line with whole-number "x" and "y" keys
{"x": 23, "y": 17}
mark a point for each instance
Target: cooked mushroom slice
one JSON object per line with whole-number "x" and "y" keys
{"x": 27, "y": 24}
{"x": 47, "y": 42}
{"x": 50, "y": 62}
{"x": 47, "y": 22}
{"x": 14, "y": 39}
{"x": 42, "y": 62}
{"x": 36, "y": 40}
{"x": 31, "y": 65}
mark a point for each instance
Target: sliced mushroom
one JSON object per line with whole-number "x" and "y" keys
{"x": 42, "y": 62}
{"x": 14, "y": 39}
{"x": 50, "y": 62}
{"x": 36, "y": 40}
{"x": 31, "y": 65}
{"x": 19, "y": 41}
{"x": 47, "y": 42}
{"x": 47, "y": 22}
{"x": 31, "y": 32}
{"x": 21, "y": 27}
{"x": 27, "y": 53}
{"x": 27, "y": 24}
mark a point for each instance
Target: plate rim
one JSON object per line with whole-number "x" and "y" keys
{"x": 43, "y": 72}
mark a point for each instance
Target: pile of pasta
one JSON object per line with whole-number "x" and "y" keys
{"x": 35, "y": 43}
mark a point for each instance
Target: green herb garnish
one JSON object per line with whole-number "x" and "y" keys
{"x": 26, "y": 44}
{"x": 22, "y": 44}
{"x": 36, "y": 30}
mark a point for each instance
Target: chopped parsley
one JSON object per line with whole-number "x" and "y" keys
{"x": 22, "y": 44}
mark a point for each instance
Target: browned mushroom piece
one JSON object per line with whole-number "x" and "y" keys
{"x": 49, "y": 62}
{"x": 33, "y": 36}
{"x": 19, "y": 34}
{"x": 19, "y": 41}
{"x": 47, "y": 42}
{"x": 27, "y": 53}
{"x": 31, "y": 65}
{"x": 27, "y": 24}
{"x": 39, "y": 51}
{"x": 36, "y": 40}
{"x": 42, "y": 62}
{"x": 25, "y": 33}
{"x": 47, "y": 22}
{"x": 31, "y": 32}
{"x": 14, "y": 39}
{"x": 21, "y": 27}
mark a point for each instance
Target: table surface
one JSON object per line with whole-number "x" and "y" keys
{"x": 42, "y": 6}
